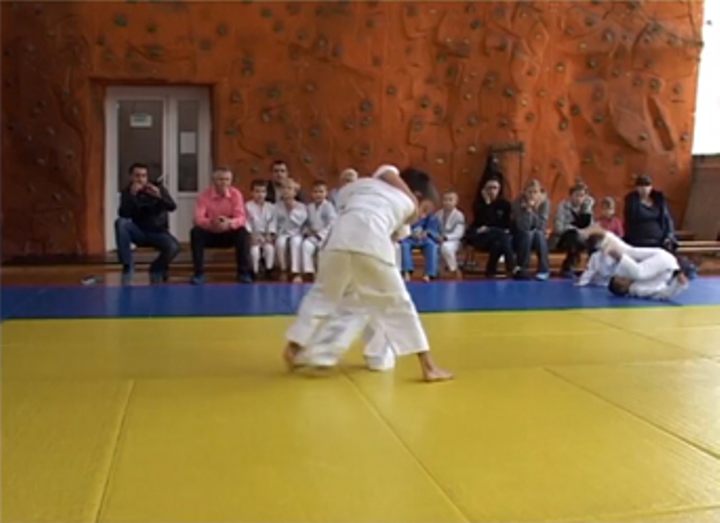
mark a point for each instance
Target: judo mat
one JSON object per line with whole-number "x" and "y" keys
{"x": 171, "y": 404}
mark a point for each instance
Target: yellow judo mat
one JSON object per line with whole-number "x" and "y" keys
{"x": 585, "y": 415}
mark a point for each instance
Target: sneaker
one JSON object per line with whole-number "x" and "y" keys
{"x": 542, "y": 276}
{"x": 244, "y": 278}
{"x": 521, "y": 275}
{"x": 198, "y": 279}
{"x": 126, "y": 278}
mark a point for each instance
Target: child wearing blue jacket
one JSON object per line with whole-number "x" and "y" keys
{"x": 426, "y": 235}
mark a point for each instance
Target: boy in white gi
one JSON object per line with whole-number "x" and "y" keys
{"x": 291, "y": 217}
{"x": 262, "y": 226}
{"x": 357, "y": 276}
{"x": 321, "y": 215}
{"x": 452, "y": 228}
{"x": 641, "y": 272}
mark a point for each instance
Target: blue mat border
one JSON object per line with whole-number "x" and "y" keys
{"x": 261, "y": 299}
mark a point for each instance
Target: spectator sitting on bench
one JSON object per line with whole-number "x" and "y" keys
{"x": 425, "y": 235}
{"x": 530, "y": 216}
{"x": 608, "y": 220}
{"x": 220, "y": 222}
{"x": 647, "y": 217}
{"x": 321, "y": 215}
{"x": 490, "y": 229}
{"x": 452, "y": 228}
{"x": 143, "y": 220}
{"x": 573, "y": 213}
{"x": 280, "y": 173}
{"x": 262, "y": 226}
{"x": 291, "y": 218}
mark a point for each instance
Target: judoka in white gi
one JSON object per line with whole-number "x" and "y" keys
{"x": 641, "y": 272}
{"x": 452, "y": 228}
{"x": 262, "y": 226}
{"x": 321, "y": 215}
{"x": 600, "y": 269}
{"x": 358, "y": 278}
{"x": 291, "y": 218}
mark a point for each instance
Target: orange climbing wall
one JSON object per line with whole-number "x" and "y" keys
{"x": 594, "y": 89}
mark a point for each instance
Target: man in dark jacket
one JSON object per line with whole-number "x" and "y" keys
{"x": 143, "y": 220}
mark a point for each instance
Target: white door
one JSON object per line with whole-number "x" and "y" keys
{"x": 167, "y": 128}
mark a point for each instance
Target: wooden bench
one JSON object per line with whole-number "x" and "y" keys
{"x": 699, "y": 247}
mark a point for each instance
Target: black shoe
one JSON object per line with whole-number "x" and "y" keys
{"x": 244, "y": 278}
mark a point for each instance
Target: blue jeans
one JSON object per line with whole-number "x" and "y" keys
{"x": 430, "y": 252}
{"x": 527, "y": 241}
{"x": 127, "y": 233}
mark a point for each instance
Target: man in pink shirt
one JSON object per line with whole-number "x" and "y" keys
{"x": 220, "y": 222}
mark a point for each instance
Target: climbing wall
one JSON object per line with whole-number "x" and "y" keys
{"x": 596, "y": 90}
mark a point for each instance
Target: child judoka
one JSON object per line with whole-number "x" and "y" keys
{"x": 600, "y": 269}
{"x": 641, "y": 272}
{"x": 358, "y": 277}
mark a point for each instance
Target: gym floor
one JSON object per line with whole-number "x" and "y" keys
{"x": 171, "y": 404}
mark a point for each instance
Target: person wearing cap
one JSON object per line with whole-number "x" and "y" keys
{"x": 358, "y": 283}
{"x": 648, "y": 222}
{"x": 640, "y": 272}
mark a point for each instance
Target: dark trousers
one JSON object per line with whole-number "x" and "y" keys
{"x": 528, "y": 241}
{"x": 127, "y": 233}
{"x": 571, "y": 243}
{"x": 238, "y": 238}
{"x": 497, "y": 242}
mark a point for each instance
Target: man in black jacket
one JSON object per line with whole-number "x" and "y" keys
{"x": 143, "y": 220}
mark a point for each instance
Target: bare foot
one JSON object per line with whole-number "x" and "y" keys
{"x": 291, "y": 351}
{"x": 426, "y": 278}
{"x": 297, "y": 279}
{"x": 458, "y": 274}
{"x": 430, "y": 371}
{"x": 406, "y": 276}
{"x": 436, "y": 374}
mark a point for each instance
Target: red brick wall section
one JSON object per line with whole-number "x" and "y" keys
{"x": 594, "y": 89}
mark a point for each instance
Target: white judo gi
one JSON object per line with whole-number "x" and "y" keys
{"x": 600, "y": 268}
{"x": 290, "y": 224}
{"x": 358, "y": 284}
{"x": 452, "y": 227}
{"x": 652, "y": 269}
{"x": 319, "y": 220}
{"x": 262, "y": 221}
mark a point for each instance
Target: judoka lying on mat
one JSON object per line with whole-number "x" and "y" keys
{"x": 642, "y": 272}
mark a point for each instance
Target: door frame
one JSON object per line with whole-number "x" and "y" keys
{"x": 169, "y": 96}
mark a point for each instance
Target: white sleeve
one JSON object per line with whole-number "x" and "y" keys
{"x": 272, "y": 224}
{"x": 249, "y": 219}
{"x": 458, "y": 231}
{"x": 611, "y": 242}
{"x": 403, "y": 232}
{"x": 591, "y": 270}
